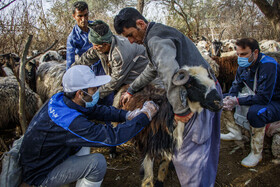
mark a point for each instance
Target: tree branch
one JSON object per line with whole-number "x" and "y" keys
{"x": 7, "y": 4}
{"x": 21, "y": 79}
{"x": 31, "y": 58}
{"x": 265, "y": 7}
{"x": 140, "y": 5}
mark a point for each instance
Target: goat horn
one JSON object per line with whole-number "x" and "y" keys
{"x": 180, "y": 77}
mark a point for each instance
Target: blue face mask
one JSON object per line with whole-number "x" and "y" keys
{"x": 244, "y": 62}
{"x": 95, "y": 98}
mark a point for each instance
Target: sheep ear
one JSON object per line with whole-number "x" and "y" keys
{"x": 180, "y": 77}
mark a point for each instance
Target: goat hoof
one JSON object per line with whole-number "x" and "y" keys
{"x": 148, "y": 184}
{"x": 158, "y": 184}
{"x": 113, "y": 152}
{"x": 171, "y": 166}
{"x": 141, "y": 173}
{"x": 113, "y": 155}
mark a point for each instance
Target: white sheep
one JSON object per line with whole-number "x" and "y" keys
{"x": 269, "y": 46}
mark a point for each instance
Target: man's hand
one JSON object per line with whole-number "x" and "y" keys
{"x": 125, "y": 98}
{"x": 149, "y": 108}
{"x": 230, "y": 102}
{"x": 183, "y": 119}
{"x": 132, "y": 114}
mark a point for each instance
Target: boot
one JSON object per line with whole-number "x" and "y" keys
{"x": 234, "y": 130}
{"x": 255, "y": 155}
{"x": 86, "y": 183}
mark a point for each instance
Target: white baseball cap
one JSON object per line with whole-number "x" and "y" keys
{"x": 81, "y": 77}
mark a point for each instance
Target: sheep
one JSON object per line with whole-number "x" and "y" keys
{"x": 9, "y": 93}
{"x": 227, "y": 70}
{"x": 49, "y": 79}
{"x": 213, "y": 64}
{"x": 51, "y": 56}
{"x": 163, "y": 135}
{"x": 2, "y": 72}
{"x": 62, "y": 52}
{"x": 275, "y": 146}
{"x": 273, "y": 130}
{"x": 228, "y": 46}
{"x": 203, "y": 47}
{"x": 275, "y": 55}
{"x": 269, "y": 46}
{"x": 230, "y": 53}
{"x": 8, "y": 62}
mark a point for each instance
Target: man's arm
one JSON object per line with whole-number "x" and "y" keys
{"x": 88, "y": 58}
{"x": 83, "y": 132}
{"x": 237, "y": 84}
{"x": 70, "y": 54}
{"x": 163, "y": 52}
{"x": 265, "y": 85}
{"x": 117, "y": 77}
{"x": 143, "y": 79}
{"x": 107, "y": 113}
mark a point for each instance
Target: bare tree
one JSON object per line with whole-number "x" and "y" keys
{"x": 140, "y": 6}
{"x": 5, "y": 4}
{"x": 21, "y": 80}
{"x": 271, "y": 12}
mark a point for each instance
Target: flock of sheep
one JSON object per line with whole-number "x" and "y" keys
{"x": 43, "y": 78}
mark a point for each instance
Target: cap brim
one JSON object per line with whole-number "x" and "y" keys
{"x": 99, "y": 81}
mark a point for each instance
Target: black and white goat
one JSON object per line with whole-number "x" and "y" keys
{"x": 163, "y": 135}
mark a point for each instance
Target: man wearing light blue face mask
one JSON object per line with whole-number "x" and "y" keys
{"x": 257, "y": 87}
{"x": 51, "y": 151}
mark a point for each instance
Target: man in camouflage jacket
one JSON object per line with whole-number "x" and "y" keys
{"x": 120, "y": 59}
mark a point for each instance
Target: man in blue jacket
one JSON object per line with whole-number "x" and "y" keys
{"x": 50, "y": 151}
{"x": 78, "y": 43}
{"x": 260, "y": 74}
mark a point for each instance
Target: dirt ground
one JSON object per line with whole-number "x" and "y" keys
{"x": 123, "y": 171}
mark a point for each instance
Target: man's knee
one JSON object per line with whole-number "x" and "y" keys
{"x": 98, "y": 167}
{"x": 258, "y": 116}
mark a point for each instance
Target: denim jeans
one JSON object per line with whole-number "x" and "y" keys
{"x": 92, "y": 167}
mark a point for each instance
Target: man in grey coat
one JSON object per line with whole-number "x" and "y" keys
{"x": 120, "y": 59}
{"x": 168, "y": 51}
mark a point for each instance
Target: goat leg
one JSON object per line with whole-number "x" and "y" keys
{"x": 148, "y": 172}
{"x": 178, "y": 134}
{"x": 162, "y": 171}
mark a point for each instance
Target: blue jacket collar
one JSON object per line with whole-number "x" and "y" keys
{"x": 61, "y": 113}
{"x": 79, "y": 30}
{"x": 256, "y": 65}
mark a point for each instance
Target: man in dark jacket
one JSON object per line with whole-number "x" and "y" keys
{"x": 51, "y": 148}
{"x": 168, "y": 51}
{"x": 261, "y": 75}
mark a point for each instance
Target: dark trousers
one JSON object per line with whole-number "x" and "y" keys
{"x": 260, "y": 115}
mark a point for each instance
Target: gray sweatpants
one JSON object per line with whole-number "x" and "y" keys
{"x": 92, "y": 167}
